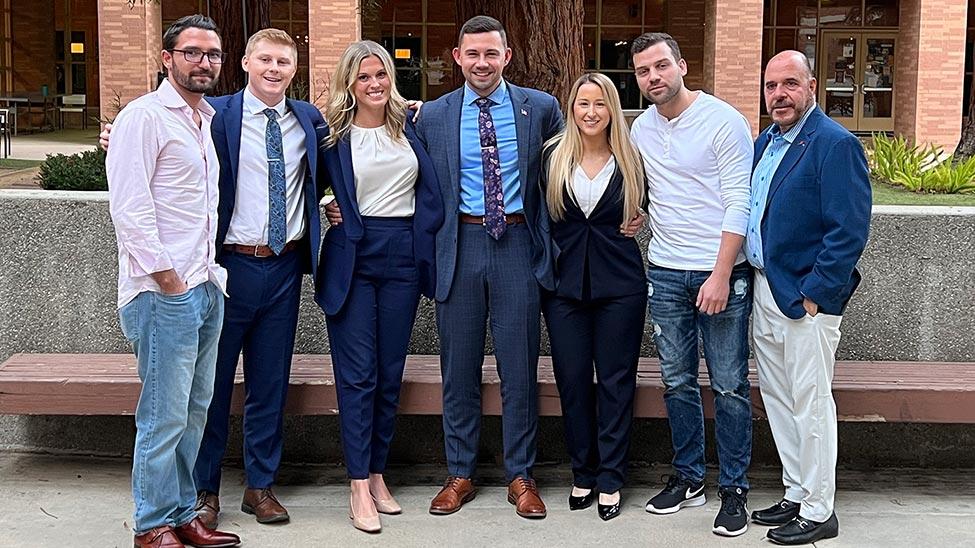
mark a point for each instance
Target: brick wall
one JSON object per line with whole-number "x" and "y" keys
{"x": 929, "y": 72}
{"x": 332, "y": 25}
{"x": 32, "y": 48}
{"x": 733, "y": 54}
{"x": 685, "y": 22}
{"x": 130, "y": 43}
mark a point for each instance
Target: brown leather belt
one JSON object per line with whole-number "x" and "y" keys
{"x": 511, "y": 219}
{"x": 259, "y": 250}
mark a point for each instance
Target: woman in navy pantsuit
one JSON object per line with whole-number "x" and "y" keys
{"x": 593, "y": 182}
{"x": 375, "y": 264}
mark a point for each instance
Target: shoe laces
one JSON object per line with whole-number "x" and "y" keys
{"x": 452, "y": 482}
{"x": 732, "y": 501}
{"x": 674, "y": 484}
{"x": 201, "y": 500}
{"x": 526, "y": 484}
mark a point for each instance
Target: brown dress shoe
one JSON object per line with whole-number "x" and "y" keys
{"x": 524, "y": 495}
{"x": 160, "y": 537}
{"x": 264, "y": 505}
{"x": 455, "y": 493}
{"x": 208, "y": 508}
{"x": 196, "y": 534}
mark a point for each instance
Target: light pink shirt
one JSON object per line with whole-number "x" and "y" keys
{"x": 162, "y": 189}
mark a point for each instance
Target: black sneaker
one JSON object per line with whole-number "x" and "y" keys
{"x": 678, "y": 494}
{"x": 732, "y": 519}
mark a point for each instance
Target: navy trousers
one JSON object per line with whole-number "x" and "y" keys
{"x": 604, "y": 336}
{"x": 369, "y": 338}
{"x": 260, "y": 319}
{"x": 493, "y": 278}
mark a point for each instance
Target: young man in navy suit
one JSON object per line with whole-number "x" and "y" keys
{"x": 268, "y": 236}
{"x": 810, "y": 215}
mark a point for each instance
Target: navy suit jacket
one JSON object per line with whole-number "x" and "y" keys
{"x": 225, "y": 130}
{"x": 593, "y": 246}
{"x": 537, "y": 119}
{"x": 816, "y": 218}
{"x": 339, "y": 248}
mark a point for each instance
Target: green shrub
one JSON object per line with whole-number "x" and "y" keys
{"x": 923, "y": 169}
{"x": 83, "y": 171}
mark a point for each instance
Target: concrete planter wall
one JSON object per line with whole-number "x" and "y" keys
{"x": 58, "y": 291}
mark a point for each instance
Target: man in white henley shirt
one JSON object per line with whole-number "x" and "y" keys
{"x": 698, "y": 156}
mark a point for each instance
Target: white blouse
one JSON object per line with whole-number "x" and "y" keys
{"x": 586, "y": 192}
{"x": 385, "y": 173}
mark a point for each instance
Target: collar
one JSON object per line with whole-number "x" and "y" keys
{"x": 254, "y": 106}
{"x": 793, "y": 132}
{"x": 499, "y": 95}
{"x": 170, "y": 98}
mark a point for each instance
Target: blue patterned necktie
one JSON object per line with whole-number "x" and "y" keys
{"x": 494, "y": 220}
{"x": 277, "y": 225}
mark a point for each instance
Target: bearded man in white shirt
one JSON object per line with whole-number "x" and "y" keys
{"x": 697, "y": 154}
{"x": 163, "y": 200}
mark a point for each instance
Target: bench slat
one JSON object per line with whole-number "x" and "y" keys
{"x": 108, "y": 384}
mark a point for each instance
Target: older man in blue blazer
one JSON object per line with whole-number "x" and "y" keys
{"x": 268, "y": 236}
{"x": 809, "y": 221}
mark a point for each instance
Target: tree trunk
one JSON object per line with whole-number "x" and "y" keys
{"x": 545, "y": 37}
{"x": 229, "y": 16}
{"x": 966, "y": 145}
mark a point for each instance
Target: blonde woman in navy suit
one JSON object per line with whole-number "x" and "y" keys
{"x": 593, "y": 182}
{"x": 375, "y": 264}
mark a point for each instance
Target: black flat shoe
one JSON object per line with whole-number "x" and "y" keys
{"x": 581, "y": 503}
{"x": 608, "y": 511}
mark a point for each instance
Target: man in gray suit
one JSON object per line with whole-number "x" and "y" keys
{"x": 493, "y": 253}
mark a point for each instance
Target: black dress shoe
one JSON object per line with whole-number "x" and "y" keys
{"x": 608, "y": 511}
{"x": 804, "y": 531}
{"x": 780, "y": 513}
{"x": 583, "y": 502}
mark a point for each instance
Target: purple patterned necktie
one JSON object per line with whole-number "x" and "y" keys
{"x": 494, "y": 220}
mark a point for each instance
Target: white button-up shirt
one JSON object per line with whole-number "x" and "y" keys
{"x": 249, "y": 223}
{"x": 162, "y": 188}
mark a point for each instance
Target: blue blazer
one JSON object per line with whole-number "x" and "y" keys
{"x": 537, "y": 119}
{"x": 817, "y": 217}
{"x": 339, "y": 249}
{"x": 225, "y": 130}
{"x": 590, "y": 251}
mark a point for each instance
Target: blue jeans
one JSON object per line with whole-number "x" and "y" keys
{"x": 677, "y": 326}
{"x": 175, "y": 343}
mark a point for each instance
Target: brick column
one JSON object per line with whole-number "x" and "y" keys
{"x": 733, "y": 54}
{"x": 930, "y": 68}
{"x": 331, "y": 27}
{"x": 129, "y": 48}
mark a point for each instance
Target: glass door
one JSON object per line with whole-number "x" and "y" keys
{"x": 856, "y": 78}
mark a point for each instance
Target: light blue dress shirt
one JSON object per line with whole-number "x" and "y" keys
{"x": 471, "y": 170}
{"x": 762, "y": 180}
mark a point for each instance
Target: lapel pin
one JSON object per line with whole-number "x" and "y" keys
{"x": 524, "y": 112}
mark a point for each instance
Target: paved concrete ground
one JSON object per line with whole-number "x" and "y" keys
{"x": 72, "y": 501}
{"x": 37, "y": 146}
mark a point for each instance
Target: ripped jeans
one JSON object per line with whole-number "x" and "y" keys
{"x": 678, "y": 326}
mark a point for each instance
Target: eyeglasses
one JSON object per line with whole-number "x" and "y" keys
{"x": 196, "y": 56}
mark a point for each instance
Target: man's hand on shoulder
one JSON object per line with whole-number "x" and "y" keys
{"x": 104, "y": 135}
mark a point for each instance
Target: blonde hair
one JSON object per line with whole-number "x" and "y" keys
{"x": 341, "y": 107}
{"x": 274, "y": 36}
{"x": 567, "y": 152}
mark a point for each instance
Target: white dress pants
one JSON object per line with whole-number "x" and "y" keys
{"x": 795, "y": 373}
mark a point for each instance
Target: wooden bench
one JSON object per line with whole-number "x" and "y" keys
{"x": 107, "y": 384}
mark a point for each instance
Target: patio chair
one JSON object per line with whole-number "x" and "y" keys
{"x": 5, "y": 129}
{"x": 73, "y": 103}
